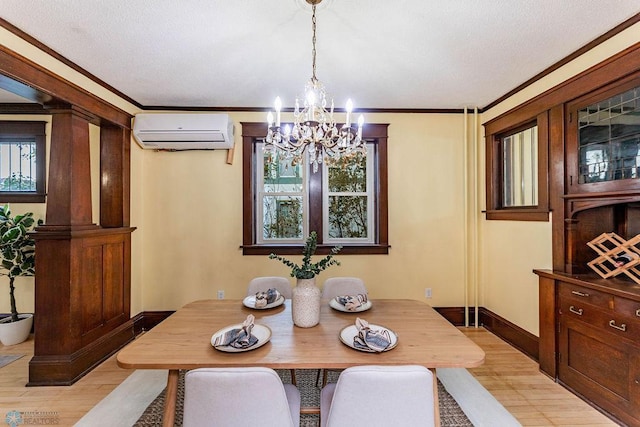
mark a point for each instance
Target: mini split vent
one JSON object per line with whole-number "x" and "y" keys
{"x": 183, "y": 131}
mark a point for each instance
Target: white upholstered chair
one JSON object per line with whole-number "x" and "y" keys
{"x": 377, "y": 396}
{"x": 336, "y": 286}
{"x": 262, "y": 284}
{"x": 237, "y": 397}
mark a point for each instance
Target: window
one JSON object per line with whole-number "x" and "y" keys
{"x": 520, "y": 168}
{"x": 517, "y": 171}
{"x": 22, "y": 162}
{"x": 345, "y": 201}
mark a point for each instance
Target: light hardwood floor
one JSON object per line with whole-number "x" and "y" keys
{"x": 513, "y": 378}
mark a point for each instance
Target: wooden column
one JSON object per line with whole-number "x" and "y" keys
{"x": 114, "y": 176}
{"x": 69, "y": 192}
{"x": 83, "y": 271}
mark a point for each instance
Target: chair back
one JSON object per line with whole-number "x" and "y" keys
{"x": 239, "y": 397}
{"x": 336, "y": 286}
{"x": 262, "y": 284}
{"x": 380, "y": 396}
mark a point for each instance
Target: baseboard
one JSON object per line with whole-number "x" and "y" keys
{"x": 456, "y": 315}
{"x": 56, "y": 370}
{"x": 146, "y": 320}
{"x": 523, "y": 340}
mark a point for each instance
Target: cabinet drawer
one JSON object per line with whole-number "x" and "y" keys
{"x": 578, "y": 310}
{"x": 627, "y": 307}
{"x": 586, "y": 295}
{"x": 622, "y": 326}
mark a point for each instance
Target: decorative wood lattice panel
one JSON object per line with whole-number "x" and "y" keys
{"x": 616, "y": 256}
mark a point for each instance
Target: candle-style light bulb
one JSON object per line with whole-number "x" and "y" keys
{"x": 278, "y": 105}
{"x": 360, "y": 123}
{"x": 270, "y": 119}
{"x": 311, "y": 101}
{"x": 349, "y": 109}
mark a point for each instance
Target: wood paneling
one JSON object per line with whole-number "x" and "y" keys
{"x": 83, "y": 269}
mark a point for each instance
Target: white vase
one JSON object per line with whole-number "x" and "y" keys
{"x": 15, "y": 332}
{"x": 305, "y": 303}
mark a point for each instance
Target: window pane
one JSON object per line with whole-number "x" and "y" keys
{"x": 282, "y": 192}
{"x": 349, "y": 201}
{"x": 18, "y": 166}
{"x": 520, "y": 168}
{"x": 348, "y": 217}
{"x": 280, "y": 174}
{"x": 282, "y": 217}
{"x": 348, "y": 174}
{"x": 609, "y": 138}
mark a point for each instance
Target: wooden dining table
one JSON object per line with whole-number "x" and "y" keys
{"x": 183, "y": 341}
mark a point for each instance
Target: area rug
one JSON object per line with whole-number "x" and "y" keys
{"x": 450, "y": 413}
{"x": 6, "y": 359}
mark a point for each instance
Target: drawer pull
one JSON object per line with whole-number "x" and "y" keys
{"x": 577, "y": 311}
{"x": 638, "y": 312}
{"x": 580, "y": 294}
{"x": 622, "y": 327}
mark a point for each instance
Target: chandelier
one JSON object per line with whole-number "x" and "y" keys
{"x": 314, "y": 127}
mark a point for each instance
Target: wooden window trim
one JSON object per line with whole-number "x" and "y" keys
{"x": 251, "y": 132}
{"x": 494, "y": 171}
{"x": 21, "y": 129}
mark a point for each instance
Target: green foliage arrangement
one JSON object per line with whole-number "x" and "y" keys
{"x": 309, "y": 270}
{"x": 17, "y": 249}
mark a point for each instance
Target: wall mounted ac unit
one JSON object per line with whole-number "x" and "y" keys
{"x": 183, "y": 131}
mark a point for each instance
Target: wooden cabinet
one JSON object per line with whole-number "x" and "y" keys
{"x": 596, "y": 340}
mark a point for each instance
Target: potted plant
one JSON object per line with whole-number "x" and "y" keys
{"x": 18, "y": 253}
{"x": 305, "y": 302}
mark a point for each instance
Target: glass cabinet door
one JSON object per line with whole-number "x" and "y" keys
{"x": 604, "y": 140}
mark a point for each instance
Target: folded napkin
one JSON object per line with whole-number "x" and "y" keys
{"x": 351, "y": 302}
{"x": 370, "y": 339}
{"x": 268, "y": 297}
{"x": 238, "y": 337}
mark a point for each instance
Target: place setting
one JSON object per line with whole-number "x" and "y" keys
{"x": 241, "y": 337}
{"x": 351, "y": 303}
{"x": 263, "y": 300}
{"x": 370, "y": 338}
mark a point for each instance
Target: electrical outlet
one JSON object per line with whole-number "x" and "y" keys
{"x": 427, "y": 292}
{"x": 221, "y": 294}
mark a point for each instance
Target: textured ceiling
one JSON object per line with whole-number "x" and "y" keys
{"x": 382, "y": 53}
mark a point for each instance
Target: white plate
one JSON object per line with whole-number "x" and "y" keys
{"x": 347, "y": 334}
{"x": 250, "y": 302}
{"x": 263, "y": 333}
{"x": 337, "y": 306}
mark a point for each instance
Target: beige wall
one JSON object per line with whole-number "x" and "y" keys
{"x": 191, "y": 224}
{"x": 187, "y": 208}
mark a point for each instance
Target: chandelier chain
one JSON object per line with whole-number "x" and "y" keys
{"x": 313, "y": 42}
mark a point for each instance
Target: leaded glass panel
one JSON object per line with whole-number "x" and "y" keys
{"x": 609, "y": 138}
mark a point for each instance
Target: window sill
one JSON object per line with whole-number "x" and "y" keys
{"x": 322, "y": 249}
{"x": 518, "y": 215}
{"x": 6, "y": 197}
